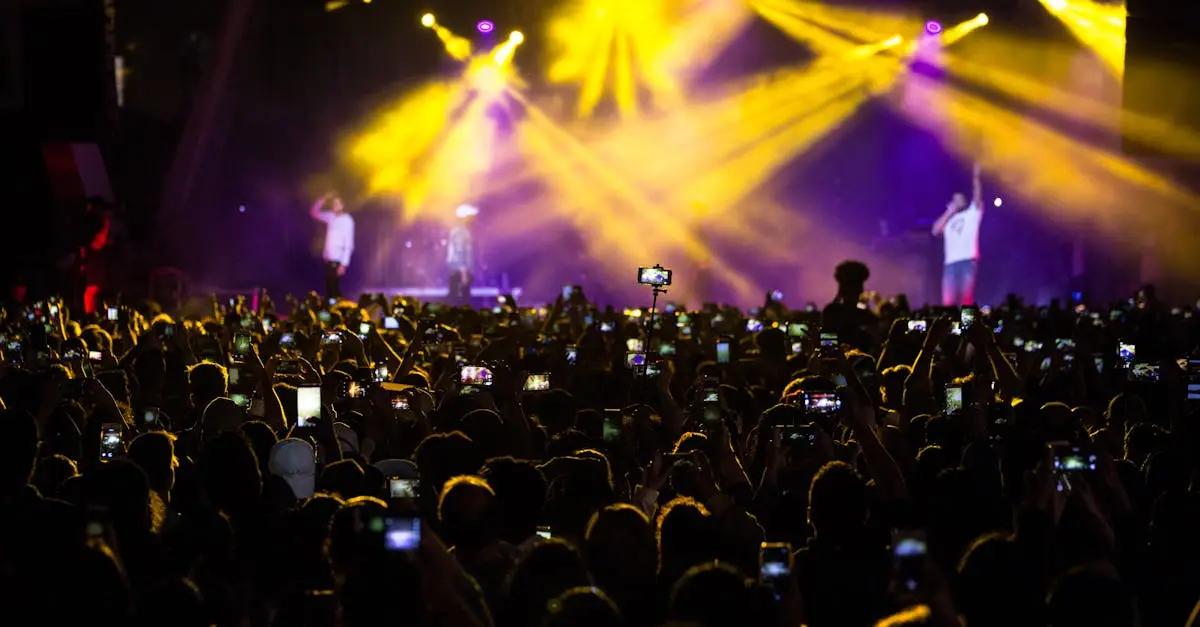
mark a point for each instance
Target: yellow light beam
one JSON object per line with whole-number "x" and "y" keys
{"x": 1099, "y": 27}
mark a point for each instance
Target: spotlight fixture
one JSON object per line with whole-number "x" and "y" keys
{"x": 485, "y": 27}
{"x": 933, "y": 27}
{"x": 982, "y": 19}
{"x": 428, "y": 20}
{"x": 516, "y": 37}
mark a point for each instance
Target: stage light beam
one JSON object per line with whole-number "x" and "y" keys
{"x": 1100, "y": 27}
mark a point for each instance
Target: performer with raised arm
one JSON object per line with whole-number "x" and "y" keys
{"x": 339, "y": 240}
{"x": 959, "y": 227}
{"x": 460, "y": 257}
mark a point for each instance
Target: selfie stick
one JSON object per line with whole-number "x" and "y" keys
{"x": 655, "y": 290}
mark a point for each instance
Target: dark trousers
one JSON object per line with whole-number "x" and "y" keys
{"x": 460, "y": 288}
{"x": 333, "y": 282}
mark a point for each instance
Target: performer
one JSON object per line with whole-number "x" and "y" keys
{"x": 459, "y": 255}
{"x": 959, "y": 227}
{"x": 339, "y": 241}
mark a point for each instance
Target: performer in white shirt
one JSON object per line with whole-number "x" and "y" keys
{"x": 460, "y": 255}
{"x": 339, "y": 240}
{"x": 959, "y": 227}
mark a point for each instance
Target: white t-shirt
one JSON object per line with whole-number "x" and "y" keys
{"x": 962, "y": 235}
{"x": 339, "y": 236}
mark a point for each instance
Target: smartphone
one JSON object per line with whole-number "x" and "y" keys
{"x": 364, "y": 329}
{"x": 1192, "y": 373}
{"x": 235, "y": 376}
{"x": 242, "y": 400}
{"x": 1126, "y": 353}
{"x": 390, "y": 323}
{"x": 537, "y": 382}
{"x": 241, "y": 346}
{"x": 611, "y": 427}
{"x": 475, "y": 375}
{"x": 823, "y": 403}
{"x": 308, "y": 405}
{"x": 331, "y": 337}
{"x": 635, "y": 345}
{"x": 402, "y": 488}
{"x": 829, "y": 343}
{"x": 95, "y": 355}
{"x": 401, "y": 533}
{"x": 355, "y": 389}
{"x": 953, "y": 399}
{"x": 110, "y": 441}
{"x": 1033, "y": 347}
{"x": 775, "y": 566}
{"x": 287, "y": 341}
{"x": 150, "y": 417}
{"x": 656, "y": 276}
{"x": 543, "y": 532}
{"x": 1064, "y": 344}
{"x": 753, "y": 325}
{"x": 168, "y": 331}
{"x": 398, "y": 400}
{"x": 909, "y": 554}
{"x": 918, "y": 326}
{"x": 723, "y": 351}
{"x": 968, "y": 316}
{"x": 113, "y": 314}
{"x": 1071, "y": 458}
{"x": 799, "y": 436}
{"x": 798, "y": 329}
{"x": 380, "y": 373}
{"x": 1145, "y": 372}
{"x": 571, "y": 353}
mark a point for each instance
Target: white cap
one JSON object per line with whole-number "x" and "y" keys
{"x": 466, "y": 211}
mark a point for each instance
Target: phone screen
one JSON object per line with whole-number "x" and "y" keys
{"x": 723, "y": 352}
{"x": 775, "y": 565}
{"x": 968, "y": 317}
{"x": 822, "y": 402}
{"x": 909, "y": 551}
{"x": 390, "y": 323}
{"x": 537, "y": 382}
{"x": 402, "y": 488}
{"x": 1126, "y": 353}
{"x": 954, "y": 399}
{"x": 401, "y": 534}
{"x": 113, "y": 314}
{"x": 754, "y": 325}
{"x": 241, "y": 344}
{"x": 150, "y": 417}
{"x": 830, "y": 342}
{"x": 110, "y": 441}
{"x": 308, "y": 405}
{"x": 612, "y": 425}
{"x": 798, "y": 329}
{"x": 918, "y": 326}
{"x": 544, "y": 533}
{"x": 1193, "y": 380}
{"x": 571, "y": 354}
{"x": 475, "y": 375}
{"x": 242, "y": 400}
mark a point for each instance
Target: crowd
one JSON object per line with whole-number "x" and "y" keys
{"x": 389, "y": 462}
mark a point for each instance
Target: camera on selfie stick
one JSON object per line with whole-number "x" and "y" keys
{"x": 658, "y": 278}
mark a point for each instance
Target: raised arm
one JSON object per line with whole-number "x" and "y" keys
{"x": 940, "y": 224}
{"x": 977, "y": 186}
{"x": 318, "y": 206}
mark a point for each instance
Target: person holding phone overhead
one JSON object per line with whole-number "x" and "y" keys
{"x": 460, "y": 257}
{"x": 339, "y": 240}
{"x": 959, "y": 227}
